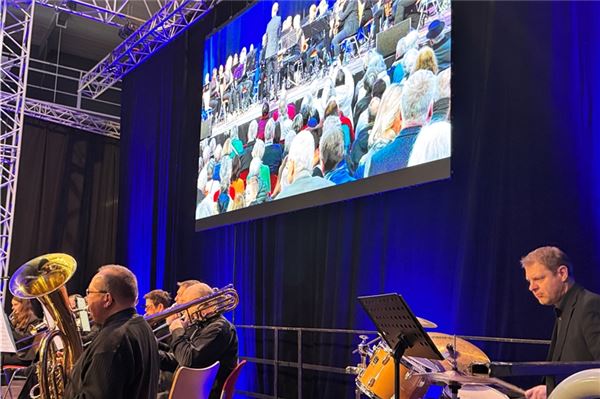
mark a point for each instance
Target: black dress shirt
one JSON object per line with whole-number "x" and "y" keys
{"x": 200, "y": 345}
{"x": 576, "y": 335}
{"x": 121, "y": 362}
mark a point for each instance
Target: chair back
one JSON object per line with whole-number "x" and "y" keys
{"x": 192, "y": 383}
{"x": 229, "y": 386}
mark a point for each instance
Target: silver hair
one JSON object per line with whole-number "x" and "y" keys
{"x": 233, "y": 133}
{"x": 259, "y": 149}
{"x": 376, "y": 62}
{"x": 400, "y": 48}
{"x": 218, "y": 151}
{"x": 225, "y": 173}
{"x": 410, "y": 59}
{"x": 254, "y": 168}
{"x": 433, "y": 142}
{"x": 302, "y": 150}
{"x": 443, "y": 83}
{"x": 269, "y": 131}
{"x": 389, "y": 110}
{"x": 418, "y": 94}
{"x": 252, "y": 130}
{"x": 331, "y": 144}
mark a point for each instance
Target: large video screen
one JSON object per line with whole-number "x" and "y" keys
{"x": 306, "y": 103}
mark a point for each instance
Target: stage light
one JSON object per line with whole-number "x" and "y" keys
{"x": 127, "y": 30}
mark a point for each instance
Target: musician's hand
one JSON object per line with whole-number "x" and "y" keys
{"x": 172, "y": 318}
{"x": 177, "y": 323}
{"x": 538, "y": 392}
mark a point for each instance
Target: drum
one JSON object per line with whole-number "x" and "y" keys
{"x": 476, "y": 392}
{"x": 377, "y": 380}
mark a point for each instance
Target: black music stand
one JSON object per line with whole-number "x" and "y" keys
{"x": 400, "y": 329}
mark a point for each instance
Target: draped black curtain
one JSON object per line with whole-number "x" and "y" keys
{"x": 525, "y": 173}
{"x": 67, "y": 198}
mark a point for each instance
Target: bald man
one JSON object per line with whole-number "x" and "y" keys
{"x": 198, "y": 341}
{"x": 122, "y": 361}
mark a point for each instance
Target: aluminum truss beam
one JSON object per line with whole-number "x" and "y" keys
{"x": 110, "y": 12}
{"x": 167, "y": 23}
{"x": 16, "y": 21}
{"x": 88, "y": 121}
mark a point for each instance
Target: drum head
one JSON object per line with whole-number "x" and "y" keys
{"x": 476, "y": 392}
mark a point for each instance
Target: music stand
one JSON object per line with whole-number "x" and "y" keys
{"x": 400, "y": 329}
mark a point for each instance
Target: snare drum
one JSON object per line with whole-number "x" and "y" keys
{"x": 377, "y": 380}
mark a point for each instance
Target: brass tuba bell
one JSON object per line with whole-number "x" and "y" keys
{"x": 44, "y": 279}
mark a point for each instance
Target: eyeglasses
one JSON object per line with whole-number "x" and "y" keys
{"x": 88, "y": 292}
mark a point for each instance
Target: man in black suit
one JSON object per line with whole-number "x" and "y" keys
{"x": 576, "y": 335}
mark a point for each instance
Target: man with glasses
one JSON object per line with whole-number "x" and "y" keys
{"x": 576, "y": 335}
{"x": 157, "y": 301}
{"x": 122, "y": 361}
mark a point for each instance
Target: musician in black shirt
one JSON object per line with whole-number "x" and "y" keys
{"x": 197, "y": 342}
{"x": 576, "y": 335}
{"x": 122, "y": 361}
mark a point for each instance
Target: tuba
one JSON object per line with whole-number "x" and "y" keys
{"x": 44, "y": 279}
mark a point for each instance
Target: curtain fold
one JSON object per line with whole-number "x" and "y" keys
{"x": 525, "y": 173}
{"x": 67, "y": 198}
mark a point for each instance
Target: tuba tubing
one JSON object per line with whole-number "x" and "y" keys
{"x": 44, "y": 278}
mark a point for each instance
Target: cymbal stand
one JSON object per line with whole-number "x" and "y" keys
{"x": 453, "y": 385}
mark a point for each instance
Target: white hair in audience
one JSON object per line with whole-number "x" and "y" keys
{"x": 302, "y": 151}
{"x": 206, "y": 154}
{"x": 225, "y": 173}
{"x": 418, "y": 95}
{"x": 331, "y": 144}
{"x": 433, "y": 142}
{"x": 217, "y": 152}
{"x": 202, "y": 179}
{"x": 259, "y": 149}
{"x": 269, "y": 131}
{"x": 410, "y": 59}
{"x": 389, "y": 111}
{"x": 233, "y": 133}
{"x": 212, "y": 144}
{"x": 376, "y": 62}
{"x": 254, "y": 168}
{"x": 411, "y": 40}
{"x": 400, "y": 47}
{"x": 252, "y": 130}
{"x": 443, "y": 83}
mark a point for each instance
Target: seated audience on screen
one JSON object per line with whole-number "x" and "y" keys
{"x": 416, "y": 108}
{"x": 300, "y": 167}
{"x": 331, "y": 149}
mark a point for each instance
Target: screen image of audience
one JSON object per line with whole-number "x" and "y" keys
{"x": 353, "y": 126}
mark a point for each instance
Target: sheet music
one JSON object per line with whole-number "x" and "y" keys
{"x": 7, "y": 342}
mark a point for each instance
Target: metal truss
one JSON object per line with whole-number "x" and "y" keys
{"x": 88, "y": 121}
{"x": 110, "y": 12}
{"x": 16, "y": 18}
{"x": 167, "y": 23}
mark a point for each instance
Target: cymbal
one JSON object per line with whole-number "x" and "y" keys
{"x": 426, "y": 323}
{"x": 463, "y": 352}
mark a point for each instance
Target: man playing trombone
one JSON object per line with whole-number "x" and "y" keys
{"x": 200, "y": 338}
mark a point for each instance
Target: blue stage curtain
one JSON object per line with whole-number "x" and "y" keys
{"x": 525, "y": 173}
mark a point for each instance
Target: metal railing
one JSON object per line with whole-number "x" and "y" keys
{"x": 300, "y": 365}
{"x": 59, "y": 84}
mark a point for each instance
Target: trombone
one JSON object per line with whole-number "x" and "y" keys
{"x": 209, "y": 306}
